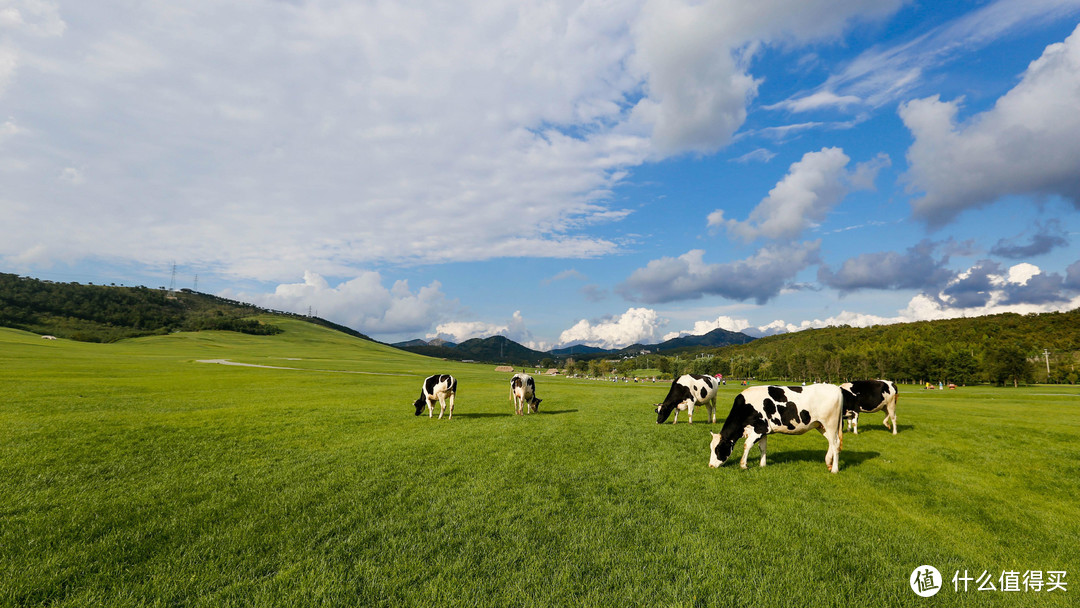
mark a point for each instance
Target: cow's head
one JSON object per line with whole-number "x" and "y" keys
{"x": 662, "y": 412}
{"x": 535, "y": 405}
{"x": 419, "y": 405}
{"x": 719, "y": 450}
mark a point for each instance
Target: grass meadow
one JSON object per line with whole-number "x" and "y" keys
{"x": 133, "y": 475}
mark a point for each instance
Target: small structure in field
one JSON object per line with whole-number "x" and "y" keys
{"x": 504, "y": 368}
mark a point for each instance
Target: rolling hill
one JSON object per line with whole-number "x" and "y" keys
{"x": 100, "y": 313}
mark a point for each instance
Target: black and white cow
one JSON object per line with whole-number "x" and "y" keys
{"x": 685, "y": 393}
{"x": 866, "y": 396}
{"x": 522, "y": 392}
{"x": 441, "y": 388}
{"x": 793, "y": 410}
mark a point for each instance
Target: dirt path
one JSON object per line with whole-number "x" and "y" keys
{"x": 299, "y": 369}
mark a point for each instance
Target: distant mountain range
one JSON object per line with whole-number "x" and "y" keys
{"x": 500, "y": 349}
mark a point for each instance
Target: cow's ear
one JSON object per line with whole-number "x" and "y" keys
{"x": 715, "y": 435}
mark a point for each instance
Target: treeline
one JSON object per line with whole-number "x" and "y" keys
{"x": 97, "y": 313}
{"x": 999, "y": 349}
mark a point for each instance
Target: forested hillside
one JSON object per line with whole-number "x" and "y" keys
{"x": 98, "y": 313}
{"x": 1003, "y": 349}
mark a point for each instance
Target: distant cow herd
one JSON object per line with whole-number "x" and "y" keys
{"x": 757, "y": 412}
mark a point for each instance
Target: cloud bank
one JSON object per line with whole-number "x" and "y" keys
{"x": 328, "y": 136}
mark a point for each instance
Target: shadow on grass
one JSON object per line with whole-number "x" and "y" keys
{"x": 482, "y": 415}
{"x": 557, "y": 412}
{"x": 848, "y": 458}
{"x": 900, "y": 428}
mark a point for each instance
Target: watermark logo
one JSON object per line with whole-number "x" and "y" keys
{"x": 925, "y": 581}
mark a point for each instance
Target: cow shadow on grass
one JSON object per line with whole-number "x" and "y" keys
{"x": 502, "y": 415}
{"x": 900, "y": 428}
{"x": 848, "y": 458}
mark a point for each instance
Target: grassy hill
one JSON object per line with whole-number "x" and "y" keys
{"x": 97, "y": 313}
{"x": 131, "y": 474}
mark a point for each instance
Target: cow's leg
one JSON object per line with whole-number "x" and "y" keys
{"x": 712, "y": 411}
{"x": 430, "y": 407}
{"x": 855, "y": 423}
{"x": 832, "y": 434}
{"x": 690, "y": 412}
{"x": 751, "y": 436}
{"x": 451, "y": 405}
{"x": 442, "y": 405}
{"x": 761, "y": 444}
{"x": 890, "y": 413}
{"x": 676, "y": 415}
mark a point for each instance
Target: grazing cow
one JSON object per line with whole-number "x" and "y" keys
{"x": 685, "y": 393}
{"x": 523, "y": 391}
{"x": 793, "y": 410}
{"x": 867, "y": 396}
{"x": 441, "y": 388}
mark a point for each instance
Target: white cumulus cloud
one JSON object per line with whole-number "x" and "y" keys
{"x": 515, "y": 329}
{"x": 1027, "y": 143}
{"x": 362, "y": 303}
{"x": 636, "y": 325}
{"x": 812, "y": 187}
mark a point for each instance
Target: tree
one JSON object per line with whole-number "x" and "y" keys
{"x": 1007, "y": 362}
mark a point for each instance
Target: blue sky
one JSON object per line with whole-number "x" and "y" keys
{"x": 601, "y": 172}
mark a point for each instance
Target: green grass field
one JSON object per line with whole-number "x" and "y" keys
{"x": 133, "y": 475}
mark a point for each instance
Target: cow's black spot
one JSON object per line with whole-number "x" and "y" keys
{"x": 789, "y": 413}
{"x": 778, "y": 394}
{"x": 795, "y": 389}
{"x": 429, "y": 384}
{"x": 761, "y": 427}
{"x": 769, "y": 407}
{"x": 704, "y": 392}
{"x": 804, "y": 416}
